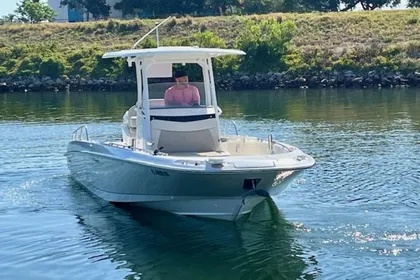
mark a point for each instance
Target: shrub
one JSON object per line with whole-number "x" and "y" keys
{"x": 209, "y": 40}
{"x": 295, "y": 62}
{"x": 52, "y": 67}
{"x": 4, "y": 54}
{"x": 108, "y": 67}
{"x": 203, "y": 27}
{"x": 413, "y": 49}
{"x": 412, "y": 20}
{"x": 187, "y": 21}
{"x": 11, "y": 64}
{"x": 112, "y": 24}
{"x": 266, "y": 44}
{"x": 26, "y": 67}
{"x": 85, "y": 71}
{"x": 19, "y": 50}
{"x": 130, "y": 26}
{"x": 3, "y": 71}
{"x": 171, "y": 24}
{"x": 226, "y": 64}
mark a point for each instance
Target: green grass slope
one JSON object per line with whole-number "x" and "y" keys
{"x": 323, "y": 41}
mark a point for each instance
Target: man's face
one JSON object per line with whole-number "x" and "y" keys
{"x": 182, "y": 80}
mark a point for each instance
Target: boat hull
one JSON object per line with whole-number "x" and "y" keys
{"x": 109, "y": 173}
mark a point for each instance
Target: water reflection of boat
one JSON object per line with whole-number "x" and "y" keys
{"x": 160, "y": 245}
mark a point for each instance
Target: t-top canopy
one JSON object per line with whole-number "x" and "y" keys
{"x": 173, "y": 53}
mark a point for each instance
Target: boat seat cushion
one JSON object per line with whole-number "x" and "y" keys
{"x": 188, "y": 141}
{"x": 179, "y": 137}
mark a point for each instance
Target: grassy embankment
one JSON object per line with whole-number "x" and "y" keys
{"x": 359, "y": 41}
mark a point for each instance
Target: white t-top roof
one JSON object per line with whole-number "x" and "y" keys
{"x": 174, "y": 53}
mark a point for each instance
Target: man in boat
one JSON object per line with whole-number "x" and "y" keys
{"x": 182, "y": 93}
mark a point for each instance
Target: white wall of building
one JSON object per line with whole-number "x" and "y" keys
{"x": 114, "y": 13}
{"x": 63, "y": 15}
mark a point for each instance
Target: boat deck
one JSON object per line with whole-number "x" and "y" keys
{"x": 176, "y": 154}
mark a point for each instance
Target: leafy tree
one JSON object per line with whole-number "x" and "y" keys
{"x": 221, "y": 6}
{"x": 334, "y": 5}
{"x": 369, "y": 4}
{"x": 98, "y": 8}
{"x": 34, "y": 11}
{"x": 311, "y": 5}
{"x": 160, "y": 7}
{"x": 413, "y": 4}
{"x": 175, "y": 6}
{"x": 130, "y": 7}
{"x": 164, "y": 7}
{"x": 7, "y": 18}
{"x": 262, "y": 6}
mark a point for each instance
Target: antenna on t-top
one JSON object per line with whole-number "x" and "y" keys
{"x": 148, "y": 33}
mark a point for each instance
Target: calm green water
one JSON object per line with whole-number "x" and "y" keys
{"x": 355, "y": 215}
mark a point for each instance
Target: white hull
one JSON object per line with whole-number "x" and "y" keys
{"x": 125, "y": 176}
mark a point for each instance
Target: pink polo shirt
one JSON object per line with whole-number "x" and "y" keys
{"x": 182, "y": 95}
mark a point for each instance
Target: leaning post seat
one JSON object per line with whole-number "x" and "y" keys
{"x": 184, "y": 130}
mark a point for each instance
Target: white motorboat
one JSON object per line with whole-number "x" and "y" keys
{"x": 173, "y": 157}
